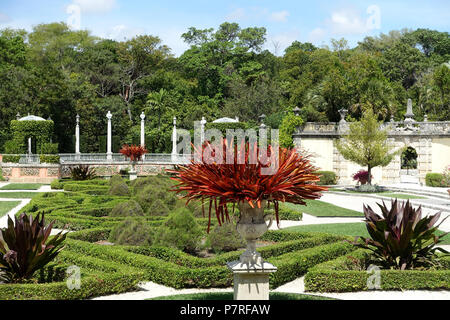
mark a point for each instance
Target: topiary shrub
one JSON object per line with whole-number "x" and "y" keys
{"x": 435, "y": 180}
{"x": 116, "y": 179}
{"x": 225, "y": 238}
{"x": 119, "y": 189}
{"x": 180, "y": 231}
{"x": 196, "y": 207}
{"x": 158, "y": 208}
{"x": 127, "y": 208}
{"x": 327, "y": 178}
{"x": 151, "y": 193}
{"x": 160, "y": 181}
{"x": 56, "y": 184}
{"x": 132, "y": 231}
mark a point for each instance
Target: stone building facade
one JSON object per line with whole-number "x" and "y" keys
{"x": 431, "y": 141}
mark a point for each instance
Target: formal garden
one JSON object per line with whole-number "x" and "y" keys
{"x": 174, "y": 163}
{"x": 123, "y": 232}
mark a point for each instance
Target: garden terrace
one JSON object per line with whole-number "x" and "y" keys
{"x": 112, "y": 269}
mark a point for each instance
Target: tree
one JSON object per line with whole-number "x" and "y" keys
{"x": 289, "y": 124}
{"x": 139, "y": 58}
{"x": 365, "y": 144}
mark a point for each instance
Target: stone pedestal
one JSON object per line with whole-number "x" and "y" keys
{"x": 133, "y": 175}
{"x": 251, "y": 282}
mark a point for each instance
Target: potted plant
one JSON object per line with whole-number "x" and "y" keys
{"x": 243, "y": 183}
{"x": 134, "y": 153}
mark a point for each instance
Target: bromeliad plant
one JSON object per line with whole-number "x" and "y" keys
{"x": 243, "y": 181}
{"x": 401, "y": 238}
{"x": 82, "y": 172}
{"x": 133, "y": 152}
{"x": 26, "y": 246}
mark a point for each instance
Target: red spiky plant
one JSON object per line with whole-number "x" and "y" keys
{"x": 133, "y": 152}
{"x": 242, "y": 181}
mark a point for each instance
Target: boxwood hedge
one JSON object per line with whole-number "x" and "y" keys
{"x": 339, "y": 275}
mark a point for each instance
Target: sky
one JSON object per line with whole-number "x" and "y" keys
{"x": 285, "y": 20}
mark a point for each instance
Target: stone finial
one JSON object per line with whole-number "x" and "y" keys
{"x": 425, "y": 118}
{"x": 409, "y": 111}
{"x": 174, "y": 121}
{"x": 142, "y": 116}
{"x": 109, "y": 115}
{"x": 262, "y": 118}
{"x": 203, "y": 121}
{"x": 77, "y": 118}
{"x": 296, "y": 111}
{"x": 343, "y": 112}
{"x": 237, "y": 119}
{"x": 49, "y": 118}
{"x": 392, "y": 118}
{"x": 18, "y": 116}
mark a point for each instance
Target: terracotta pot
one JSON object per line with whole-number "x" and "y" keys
{"x": 251, "y": 226}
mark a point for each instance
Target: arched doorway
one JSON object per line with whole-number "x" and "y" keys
{"x": 408, "y": 166}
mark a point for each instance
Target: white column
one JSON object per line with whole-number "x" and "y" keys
{"x": 142, "y": 129}
{"x": 29, "y": 145}
{"x": 77, "y": 135}
{"x": 174, "y": 140}
{"x": 143, "y": 132}
{"x": 202, "y": 132}
{"x": 109, "y": 142}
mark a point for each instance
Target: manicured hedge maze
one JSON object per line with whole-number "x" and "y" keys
{"x": 111, "y": 269}
{"x": 344, "y": 274}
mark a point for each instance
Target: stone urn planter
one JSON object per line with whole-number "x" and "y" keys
{"x": 288, "y": 178}
{"x": 133, "y": 173}
{"x": 251, "y": 272}
{"x": 252, "y": 226}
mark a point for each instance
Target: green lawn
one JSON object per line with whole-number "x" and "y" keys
{"x": 323, "y": 209}
{"x": 5, "y": 206}
{"x": 384, "y": 194}
{"x": 19, "y": 195}
{"x": 400, "y": 195}
{"x": 347, "y": 229}
{"x": 22, "y": 186}
{"x": 229, "y": 296}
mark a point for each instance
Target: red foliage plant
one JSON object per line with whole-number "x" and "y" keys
{"x": 133, "y": 152}
{"x": 243, "y": 180}
{"x": 362, "y": 176}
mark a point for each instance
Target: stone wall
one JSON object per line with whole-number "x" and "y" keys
{"x": 46, "y": 173}
{"x": 30, "y": 173}
{"x": 431, "y": 140}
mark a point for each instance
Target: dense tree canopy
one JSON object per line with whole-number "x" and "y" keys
{"x": 56, "y": 72}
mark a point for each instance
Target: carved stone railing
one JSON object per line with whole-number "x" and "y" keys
{"x": 432, "y": 128}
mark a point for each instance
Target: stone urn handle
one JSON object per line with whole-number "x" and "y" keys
{"x": 269, "y": 217}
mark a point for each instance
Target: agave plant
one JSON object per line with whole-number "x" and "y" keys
{"x": 25, "y": 247}
{"x": 242, "y": 180}
{"x": 401, "y": 238}
{"x": 82, "y": 172}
